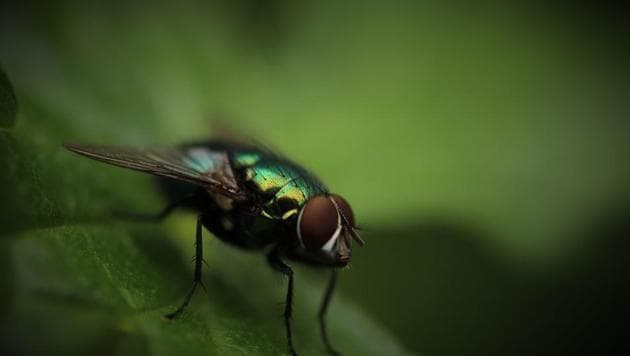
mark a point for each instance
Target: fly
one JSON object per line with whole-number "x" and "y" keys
{"x": 251, "y": 198}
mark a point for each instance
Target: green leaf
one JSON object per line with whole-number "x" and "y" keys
{"x": 88, "y": 282}
{"x": 8, "y": 104}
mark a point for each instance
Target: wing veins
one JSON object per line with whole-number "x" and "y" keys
{"x": 157, "y": 163}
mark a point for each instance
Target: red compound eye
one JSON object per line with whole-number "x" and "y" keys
{"x": 317, "y": 222}
{"x": 345, "y": 208}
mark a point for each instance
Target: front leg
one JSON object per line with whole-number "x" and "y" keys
{"x": 274, "y": 258}
{"x": 322, "y": 312}
{"x": 197, "y": 275}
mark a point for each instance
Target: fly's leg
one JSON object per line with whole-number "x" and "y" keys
{"x": 277, "y": 264}
{"x": 155, "y": 217}
{"x": 322, "y": 312}
{"x": 197, "y": 276}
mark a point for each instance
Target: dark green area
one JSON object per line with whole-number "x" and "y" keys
{"x": 484, "y": 149}
{"x": 8, "y": 104}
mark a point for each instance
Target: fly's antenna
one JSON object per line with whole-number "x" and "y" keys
{"x": 356, "y": 237}
{"x": 352, "y": 230}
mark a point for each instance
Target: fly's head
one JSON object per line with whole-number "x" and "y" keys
{"x": 325, "y": 228}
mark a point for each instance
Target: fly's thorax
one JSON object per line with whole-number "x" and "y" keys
{"x": 273, "y": 178}
{"x": 324, "y": 228}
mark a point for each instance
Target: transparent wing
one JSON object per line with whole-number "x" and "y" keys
{"x": 194, "y": 164}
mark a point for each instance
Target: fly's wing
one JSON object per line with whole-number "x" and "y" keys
{"x": 194, "y": 164}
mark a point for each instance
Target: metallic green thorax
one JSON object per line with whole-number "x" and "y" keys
{"x": 284, "y": 186}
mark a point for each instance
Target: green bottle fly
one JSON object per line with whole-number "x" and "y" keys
{"x": 251, "y": 198}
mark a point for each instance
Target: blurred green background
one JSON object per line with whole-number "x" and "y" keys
{"x": 485, "y": 149}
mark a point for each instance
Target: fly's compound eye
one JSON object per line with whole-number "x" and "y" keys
{"x": 345, "y": 208}
{"x": 318, "y": 223}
